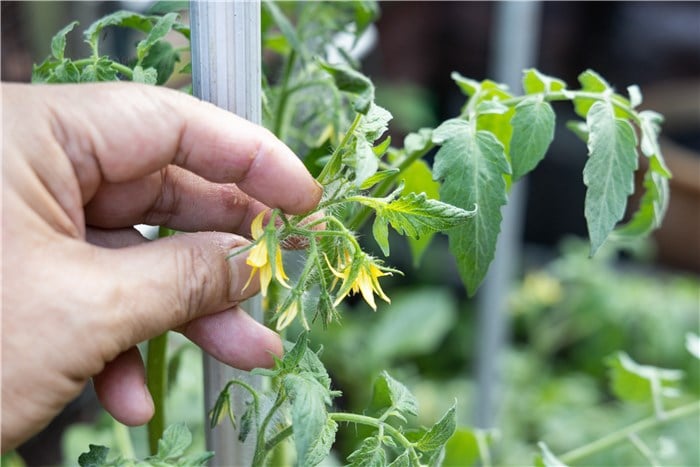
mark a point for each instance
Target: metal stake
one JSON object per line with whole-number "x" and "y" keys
{"x": 226, "y": 71}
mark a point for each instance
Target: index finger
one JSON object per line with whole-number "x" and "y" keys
{"x": 133, "y": 130}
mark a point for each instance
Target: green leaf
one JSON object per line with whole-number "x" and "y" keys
{"x": 354, "y": 83}
{"x": 650, "y": 126}
{"x": 439, "y": 433}
{"x": 162, "y": 27}
{"x": 390, "y": 395}
{"x": 365, "y": 161}
{"x": 579, "y": 129}
{"x": 374, "y": 123}
{"x": 369, "y": 454}
{"x": 285, "y": 27}
{"x": 533, "y": 131}
{"x": 195, "y": 460}
{"x": 590, "y": 82}
{"x": 147, "y": 76}
{"x": 692, "y": 343}
{"x": 463, "y": 448}
{"x": 378, "y": 177}
{"x": 403, "y": 460}
{"x": 175, "y": 441}
{"x": 43, "y": 72}
{"x": 413, "y": 215}
{"x": 546, "y": 458}
{"x": 419, "y": 141}
{"x": 101, "y": 70}
{"x": 321, "y": 446}
{"x": 66, "y": 72}
{"x": 58, "y": 42}
{"x": 161, "y": 57}
{"x": 641, "y": 383}
{"x": 609, "y": 172}
{"x": 309, "y": 416}
{"x": 418, "y": 178}
{"x": 405, "y": 330}
{"x": 247, "y": 420}
{"x": 535, "y": 82}
{"x": 652, "y": 206}
{"x": 471, "y": 165}
{"x": 95, "y": 457}
{"x": 122, "y": 18}
{"x": 167, "y": 6}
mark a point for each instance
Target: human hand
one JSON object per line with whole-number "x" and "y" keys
{"x": 81, "y": 165}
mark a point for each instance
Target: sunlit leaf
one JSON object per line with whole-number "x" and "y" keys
{"x": 609, "y": 172}
{"x": 439, "y": 433}
{"x": 471, "y": 165}
{"x": 640, "y": 383}
{"x": 533, "y": 131}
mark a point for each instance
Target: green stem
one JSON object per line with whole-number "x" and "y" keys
{"x": 278, "y": 438}
{"x": 623, "y": 434}
{"x": 385, "y": 187}
{"x": 284, "y": 95}
{"x": 123, "y": 69}
{"x": 261, "y": 446}
{"x": 369, "y": 421}
{"x": 156, "y": 378}
{"x": 336, "y": 153}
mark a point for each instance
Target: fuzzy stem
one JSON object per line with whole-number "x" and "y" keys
{"x": 623, "y": 434}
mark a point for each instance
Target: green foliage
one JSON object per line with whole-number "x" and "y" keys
{"x": 318, "y": 101}
{"x": 172, "y": 449}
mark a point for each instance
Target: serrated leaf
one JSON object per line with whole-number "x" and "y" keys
{"x": 609, "y": 171}
{"x": 403, "y": 460}
{"x": 101, "y": 70}
{"x": 122, "y": 18}
{"x": 162, "y": 57}
{"x": 652, "y": 206}
{"x": 145, "y": 76}
{"x": 418, "y": 178}
{"x": 365, "y": 162}
{"x": 354, "y": 83}
{"x": 590, "y": 82}
{"x": 309, "y": 416}
{"x": 369, "y": 454}
{"x": 413, "y": 215}
{"x": 374, "y": 123}
{"x": 419, "y": 141}
{"x": 692, "y": 343}
{"x": 66, "y": 72}
{"x": 378, "y": 177}
{"x": 390, "y": 394}
{"x": 640, "y": 383}
{"x": 95, "y": 457}
{"x": 533, "y": 132}
{"x": 546, "y": 458}
{"x": 535, "y": 82}
{"x": 175, "y": 441}
{"x": 321, "y": 446}
{"x": 163, "y": 26}
{"x": 471, "y": 166}
{"x": 439, "y": 433}
{"x": 58, "y": 42}
{"x": 650, "y": 126}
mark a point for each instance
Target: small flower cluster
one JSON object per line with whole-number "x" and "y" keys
{"x": 355, "y": 270}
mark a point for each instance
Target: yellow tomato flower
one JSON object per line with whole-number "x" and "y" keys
{"x": 288, "y": 314}
{"x": 360, "y": 277}
{"x": 259, "y": 258}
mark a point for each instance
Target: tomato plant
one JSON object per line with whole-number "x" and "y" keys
{"x": 317, "y": 100}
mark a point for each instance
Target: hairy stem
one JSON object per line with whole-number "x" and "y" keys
{"x": 370, "y": 421}
{"x": 156, "y": 380}
{"x": 336, "y": 153}
{"x": 623, "y": 434}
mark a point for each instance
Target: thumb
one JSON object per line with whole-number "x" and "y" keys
{"x": 163, "y": 284}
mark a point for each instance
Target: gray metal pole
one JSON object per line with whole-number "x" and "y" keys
{"x": 226, "y": 71}
{"x": 515, "y": 48}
